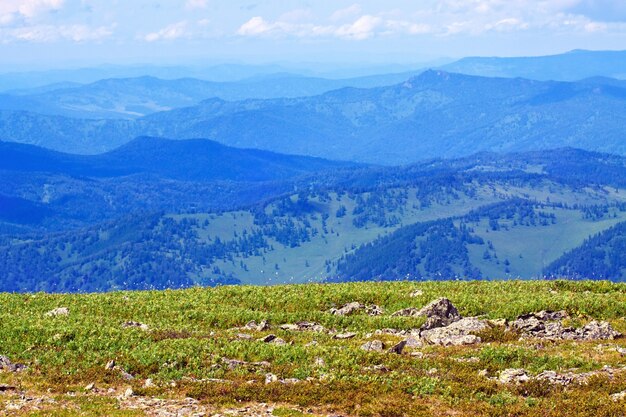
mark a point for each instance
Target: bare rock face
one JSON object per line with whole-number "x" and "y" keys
{"x": 8, "y": 366}
{"x": 259, "y": 327}
{"x": 456, "y": 334}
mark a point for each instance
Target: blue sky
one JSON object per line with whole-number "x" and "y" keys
{"x": 54, "y": 33}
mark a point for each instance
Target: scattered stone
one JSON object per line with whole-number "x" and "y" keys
{"x": 289, "y": 381}
{"x": 149, "y": 383}
{"x": 456, "y": 334}
{"x": 60, "y": 311}
{"x": 135, "y": 324}
{"x": 344, "y": 336}
{"x": 320, "y": 362}
{"x": 621, "y": 351}
{"x": 129, "y": 393}
{"x": 90, "y": 387}
{"x": 6, "y": 388}
{"x": 125, "y": 375}
{"x": 269, "y": 378}
{"x": 373, "y": 346}
{"x": 516, "y": 376}
{"x": 398, "y": 348}
{"x": 417, "y": 293}
{"x": 278, "y": 341}
{"x": 110, "y": 365}
{"x": 8, "y": 366}
{"x": 243, "y": 336}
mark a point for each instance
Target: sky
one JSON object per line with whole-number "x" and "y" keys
{"x": 66, "y": 33}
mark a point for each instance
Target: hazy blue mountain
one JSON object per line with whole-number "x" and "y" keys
{"x": 483, "y": 216}
{"x": 127, "y": 98}
{"x": 571, "y": 66}
{"x": 188, "y": 160}
{"x": 432, "y": 115}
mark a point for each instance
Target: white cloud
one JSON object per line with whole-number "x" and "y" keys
{"x": 51, "y": 33}
{"x": 363, "y": 28}
{"x": 345, "y": 13}
{"x": 11, "y": 10}
{"x": 255, "y": 26}
{"x": 170, "y": 32}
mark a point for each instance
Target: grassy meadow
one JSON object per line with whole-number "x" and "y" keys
{"x": 191, "y": 331}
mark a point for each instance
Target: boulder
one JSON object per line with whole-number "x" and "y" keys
{"x": 398, "y": 347}
{"x": 57, "y": 312}
{"x": 344, "y": 336}
{"x": 516, "y": 376}
{"x": 438, "y": 313}
{"x": 373, "y": 346}
{"x": 456, "y": 334}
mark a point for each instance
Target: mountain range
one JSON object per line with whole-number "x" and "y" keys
{"x": 436, "y": 114}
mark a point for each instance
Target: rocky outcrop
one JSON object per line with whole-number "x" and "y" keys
{"x": 438, "y": 313}
{"x": 517, "y": 376}
{"x": 547, "y": 325}
{"x": 456, "y": 334}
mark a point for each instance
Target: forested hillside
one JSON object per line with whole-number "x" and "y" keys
{"x": 485, "y": 216}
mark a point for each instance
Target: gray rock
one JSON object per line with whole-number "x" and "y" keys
{"x": 598, "y": 331}
{"x": 267, "y": 339}
{"x": 269, "y": 378}
{"x": 344, "y": 336}
{"x": 347, "y": 309}
{"x": 110, "y": 365}
{"x": 516, "y": 376}
{"x": 57, "y": 312}
{"x": 413, "y": 342}
{"x": 456, "y": 334}
{"x": 439, "y": 313}
{"x": 417, "y": 293}
{"x": 355, "y": 307}
{"x": 8, "y": 366}
{"x": 620, "y": 396}
{"x": 398, "y": 347}
{"x": 546, "y": 325}
{"x": 373, "y": 346}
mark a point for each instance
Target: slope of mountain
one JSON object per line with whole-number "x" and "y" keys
{"x": 571, "y": 66}
{"x": 602, "y": 256}
{"x": 485, "y": 216}
{"x": 435, "y": 114}
{"x": 189, "y": 160}
{"x": 130, "y": 98}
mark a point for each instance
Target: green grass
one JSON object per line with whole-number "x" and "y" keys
{"x": 189, "y": 334}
